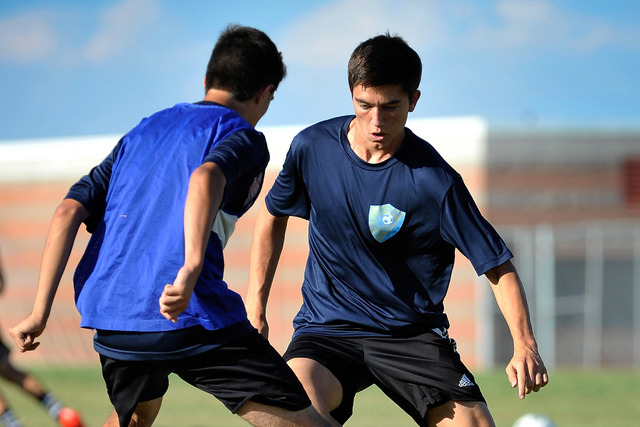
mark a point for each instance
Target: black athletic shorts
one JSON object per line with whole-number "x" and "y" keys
{"x": 247, "y": 369}
{"x": 4, "y": 351}
{"x": 418, "y": 371}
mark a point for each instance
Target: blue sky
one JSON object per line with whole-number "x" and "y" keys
{"x": 72, "y": 68}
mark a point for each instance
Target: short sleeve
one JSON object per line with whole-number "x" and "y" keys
{"x": 464, "y": 227}
{"x": 91, "y": 190}
{"x": 243, "y": 157}
{"x": 289, "y": 196}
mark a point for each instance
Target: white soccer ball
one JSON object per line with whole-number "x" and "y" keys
{"x": 534, "y": 420}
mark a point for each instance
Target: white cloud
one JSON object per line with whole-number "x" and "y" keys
{"x": 541, "y": 24}
{"x": 327, "y": 36}
{"x": 524, "y": 20}
{"x": 525, "y": 12}
{"x": 121, "y": 25}
{"x": 27, "y": 36}
{"x": 594, "y": 37}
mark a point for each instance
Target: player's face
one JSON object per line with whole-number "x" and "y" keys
{"x": 381, "y": 114}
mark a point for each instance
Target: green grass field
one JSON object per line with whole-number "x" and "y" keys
{"x": 573, "y": 398}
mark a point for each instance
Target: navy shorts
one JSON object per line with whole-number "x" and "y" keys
{"x": 247, "y": 369}
{"x": 417, "y": 371}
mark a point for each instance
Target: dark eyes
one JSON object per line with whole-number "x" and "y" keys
{"x": 385, "y": 108}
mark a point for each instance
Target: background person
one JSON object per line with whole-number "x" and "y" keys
{"x": 28, "y": 383}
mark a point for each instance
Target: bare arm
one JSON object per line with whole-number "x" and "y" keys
{"x": 60, "y": 238}
{"x": 206, "y": 188}
{"x": 526, "y": 369}
{"x": 268, "y": 240}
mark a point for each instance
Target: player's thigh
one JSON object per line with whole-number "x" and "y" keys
{"x": 10, "y": 372}
{"x": 323, "y": 388}
{"x": 337, "y": 364}
{"x": 421, "y": 372}
{"x": 457, "y": 413}
{"x": 246, "y": 369}
{"x": 258, "y": 414}
{"x": 7, "y": 370}
{"x": 144, "y": 414}
{"x": 130, "y": 383}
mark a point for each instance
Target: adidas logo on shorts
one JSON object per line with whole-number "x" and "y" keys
{"x": 465, "y": 382}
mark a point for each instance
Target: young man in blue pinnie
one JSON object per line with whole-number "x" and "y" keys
{"x": 386, "y": 213}
{"x": 161, "y": 208}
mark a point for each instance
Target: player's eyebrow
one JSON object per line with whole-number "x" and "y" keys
{"x": 386, "y": 104}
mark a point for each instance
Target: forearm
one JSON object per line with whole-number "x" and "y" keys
{"x": 206, "y": 188}
{"x": 268, "y": 241}
{"x": 510, "y": 296}
{"x": 62, "y": 233}
{"x": 525, "y": 370}
{"x": 204, "y": 196}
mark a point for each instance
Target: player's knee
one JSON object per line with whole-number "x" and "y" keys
{"x": 146, "y": 413}
{"x": 456, "y": 413}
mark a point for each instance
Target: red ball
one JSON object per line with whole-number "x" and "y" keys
{"x": 69, "y": 418}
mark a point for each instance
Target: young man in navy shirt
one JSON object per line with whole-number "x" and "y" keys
{"x": 385, "y": 213}
{"x": 161, "y": 208}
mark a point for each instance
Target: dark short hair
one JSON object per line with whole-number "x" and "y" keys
{"x": 385, "y": 60}
{"x": 243, "y": 61}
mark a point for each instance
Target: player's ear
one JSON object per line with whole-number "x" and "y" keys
{"x": 265, "y": 94}
{"x": 414, "y": 100}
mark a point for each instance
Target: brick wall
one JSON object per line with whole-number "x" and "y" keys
{"x": 27, "y": 203}
{"x": 25, "y": 212}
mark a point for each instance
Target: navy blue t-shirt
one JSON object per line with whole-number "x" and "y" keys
{"x": 381, "y": 236}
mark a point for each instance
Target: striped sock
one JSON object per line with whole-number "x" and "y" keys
{"x": 52, "y": 404}
{"x": 9, "y": 419}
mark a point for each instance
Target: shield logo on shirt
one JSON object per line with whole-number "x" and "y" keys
{"x": 384, "y": 221}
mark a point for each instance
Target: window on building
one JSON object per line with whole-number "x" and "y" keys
{"x": 631, "y": 182}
